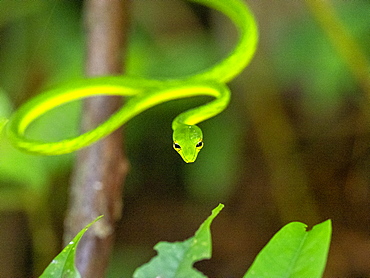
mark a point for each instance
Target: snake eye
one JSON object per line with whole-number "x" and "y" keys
{"x": 176, "y": 146}
{"x": 199, "y": 145}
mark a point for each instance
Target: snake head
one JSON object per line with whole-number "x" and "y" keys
{"x": 187, "y": 141}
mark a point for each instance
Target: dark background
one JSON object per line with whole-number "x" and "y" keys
{"x": 292, "y": 146}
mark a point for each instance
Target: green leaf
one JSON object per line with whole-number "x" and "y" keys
{"x": 175, "y": 260}
{"x": 63, "y": 265}
{"x": 294, "y": 252}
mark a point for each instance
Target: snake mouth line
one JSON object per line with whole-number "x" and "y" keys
{"x": 190, "y": 160}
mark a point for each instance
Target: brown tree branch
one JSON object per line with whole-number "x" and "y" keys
{"x": 100, "y": 169}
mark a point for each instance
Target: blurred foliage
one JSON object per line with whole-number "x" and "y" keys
{"x": 41, "y": 44}
{"x": 291, "y": 122}
{"x": 33, "y": 57}
{"x": 305, "y": 55}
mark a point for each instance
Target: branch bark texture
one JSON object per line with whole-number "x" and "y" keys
{"x": 97, "y": 181}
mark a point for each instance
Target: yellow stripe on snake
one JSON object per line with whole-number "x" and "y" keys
{"x": 145, "y": 93}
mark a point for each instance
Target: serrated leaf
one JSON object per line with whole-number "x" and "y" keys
{"x": 175, "y": 260}
{"x": 294, "y": 252}
{"x": 63, "y": 264}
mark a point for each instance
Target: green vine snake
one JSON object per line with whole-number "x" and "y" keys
{"x": 145, "y": 93}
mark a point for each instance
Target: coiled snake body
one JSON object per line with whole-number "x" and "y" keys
{"x": 145, "y": 93}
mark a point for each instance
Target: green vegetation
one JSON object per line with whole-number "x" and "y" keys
{"x": 292, "y": 253}
{"x": 292, "y": 145}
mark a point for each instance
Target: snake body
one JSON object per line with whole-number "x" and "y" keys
{"x": 145, "y": 93}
